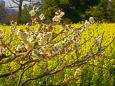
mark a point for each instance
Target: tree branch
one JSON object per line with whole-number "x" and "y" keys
{"x": 20, "y": 77}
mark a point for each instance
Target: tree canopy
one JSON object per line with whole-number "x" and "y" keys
{"x": 77, "y": 10}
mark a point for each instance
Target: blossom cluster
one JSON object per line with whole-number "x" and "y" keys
{"x": 58, "y": 15}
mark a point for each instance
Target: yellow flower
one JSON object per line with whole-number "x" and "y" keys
{"x": 113, "y": 65}
{"x": 96, "y": 62}
{"x": 112, "y": 61}
{"x": 105, "y": 61}
{"x": 23, "y": 36}
{"x": 40, "y": 83}
{"x": 104, "y": 66}
{"x": 78, "y": 81}
{"x": 104, "y": 75}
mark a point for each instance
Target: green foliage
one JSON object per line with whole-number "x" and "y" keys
{"x": 74, "y": 9}
{"x": 25, "y": 14}
{"x": 105, "y": 11}
{"x": 49, "y": 8}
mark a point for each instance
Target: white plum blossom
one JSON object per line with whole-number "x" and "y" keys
{"x": 58, "y": 12}
{"x": 35, "y": 52}
{"x": 28, "y": 45}
{"x": 44, "y": 25}
{"x": 27, "y": 24}
{"x": 56, "y": 45}
{"x": 63, "y": 42}
{"x": 56, "y": 18}
{"x": 44, "y": 37}
{"x": 13, "y": 24}
{"x": 30, "y": 39}
{"x": 1, "y": 30}
{"x": 1, "y": 36}
{"x": 23, "y": 35}
{"x": 77, "y": 72}
{"x": 42, "y": 16}
{"x": 41, "y": 42}
{"x": 32, "y": 13}
{"x": 35, "y": 8}
{"x": 66, "y": 40}
{"x": 99, "y": 38}
{"x": 70, "y": 37}
{"x": 44, "y": 49}
{"x": 48, "y": 34}
{"x": 20, "y": 47}
{"x": 62, "y": 14}
{"x": 37, "y": 31}
{"x": 26, "y": 33}
{"x": 40, "y": 35}
{"x": 86, "y": 24}
{"x": 91, "y": 20}
{"x": 81, "y": 30}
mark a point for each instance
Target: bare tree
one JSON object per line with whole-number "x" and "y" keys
{"x": 19, "y": 4}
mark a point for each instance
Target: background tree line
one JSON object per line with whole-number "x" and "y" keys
{"x": 75, "y": 10}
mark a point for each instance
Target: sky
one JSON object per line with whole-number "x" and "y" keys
{"x": 9, "y": 3}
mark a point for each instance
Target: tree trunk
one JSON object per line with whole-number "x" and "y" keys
{"x": 20, "y": 12}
